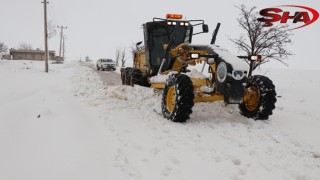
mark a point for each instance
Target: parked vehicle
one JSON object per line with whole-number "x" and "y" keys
{"x": 104, "y": 63}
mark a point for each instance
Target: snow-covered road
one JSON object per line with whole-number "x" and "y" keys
{"x": 110, "y": 78}
{"x": 91, "y": 130}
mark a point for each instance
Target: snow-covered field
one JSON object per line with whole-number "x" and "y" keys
{"x": 68, "y": 124}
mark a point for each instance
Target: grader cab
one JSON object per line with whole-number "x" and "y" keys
{"x": 163, "y": 62}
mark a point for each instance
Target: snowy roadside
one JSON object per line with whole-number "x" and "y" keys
{"x": 45, "y": 131}
{"x": 68, "y": 124}
{"x": 216, "y": 143}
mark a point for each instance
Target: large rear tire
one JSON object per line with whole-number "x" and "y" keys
{"x": 136, "y": 77}
{"x": 259, "y": 99}
{"x": 125, "y": 76}
{"x": 177, "y": 98}
{"x": 132, "y": 76}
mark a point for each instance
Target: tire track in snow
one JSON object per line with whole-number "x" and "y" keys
{"x": 110, "y": 78}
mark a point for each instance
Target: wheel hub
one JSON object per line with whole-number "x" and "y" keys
{"x": 171, "y": 99}
{"x": 251, "y": 98}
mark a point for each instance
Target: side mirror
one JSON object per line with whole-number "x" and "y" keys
{"x": 137, "y": 45}
{"x": 205, "y": 28}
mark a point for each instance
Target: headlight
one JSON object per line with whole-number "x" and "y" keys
{"x": 169, "y": 23}
{"x": 186, "y": 24}
{"x": 255, "y": 58}
{"x": 174, "y": 23}
{"x": 238, "y": 75}
{"x": 182, "y": 24}
{"x": 194, "y": 55}
{"x": 222, "y": 72}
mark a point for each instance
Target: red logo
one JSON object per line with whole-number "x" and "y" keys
{"x": 275, "y": 14}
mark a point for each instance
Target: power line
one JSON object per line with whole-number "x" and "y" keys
{"x": 64, "y": 47}
{"x": 61, "y": 37}
{"x": 46, "y": 36}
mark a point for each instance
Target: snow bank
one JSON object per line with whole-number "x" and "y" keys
{"x": 216, "y": 142}
{"x": 90, "y": 130}
{"x": 45, "y": 131}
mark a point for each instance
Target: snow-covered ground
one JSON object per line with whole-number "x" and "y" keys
{"x": 68, "y": 124}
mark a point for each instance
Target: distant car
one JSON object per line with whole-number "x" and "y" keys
{"x": 108, "y": 64}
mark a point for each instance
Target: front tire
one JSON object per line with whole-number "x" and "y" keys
{"x": 177, "y": 98}
{"x": 259, "y": 99}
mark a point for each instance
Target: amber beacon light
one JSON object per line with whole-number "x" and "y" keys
{"x": 174, "y": 16}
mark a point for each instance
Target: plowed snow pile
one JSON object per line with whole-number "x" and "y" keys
{"x": 216, "y": 143}
{"x": 90, "y": 130}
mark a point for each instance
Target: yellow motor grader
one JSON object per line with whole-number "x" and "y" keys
{"x": 163, "y": 62}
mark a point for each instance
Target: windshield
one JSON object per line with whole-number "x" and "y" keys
{"x": 161, "y": 36}
{"x": 107, "y": 60}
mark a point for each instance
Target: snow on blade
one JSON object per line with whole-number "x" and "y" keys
{"x": 161, "y": 77}
{"x": 194, "y": 73}
{"x": 236, "y": 62}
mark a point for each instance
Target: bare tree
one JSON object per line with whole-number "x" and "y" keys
{"x": 123, "y": 57}
{"x": 24, "y": 46}
{"x": 52, "y": 31}
{"x": 270, "y": 42}
{"x": 87, "y": 58}
{"x": 133, "y": 49}
{"x": 3, "y": 47}
{"x": 117, "y": 57}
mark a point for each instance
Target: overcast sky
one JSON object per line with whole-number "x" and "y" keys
{"x": 96, "y": 28}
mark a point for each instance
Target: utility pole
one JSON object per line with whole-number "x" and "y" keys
{"x": 46, "y": 36}
{"x": 64, "y": 47}
{"x": 61, "y": 37}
